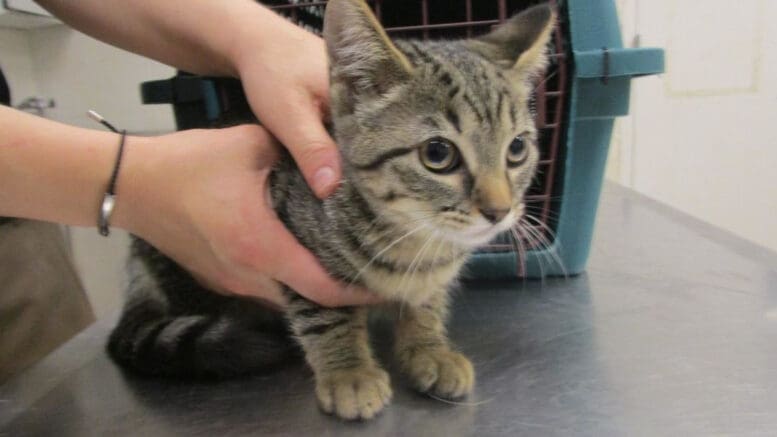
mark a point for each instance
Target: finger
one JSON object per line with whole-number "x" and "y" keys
{"x": 309, "y": 279}
{"x": 263, "y": 290}
{"x": 264, "y": 145}
{"x": 314, "y": 284}
{"x": 247, "y": 284}
{"x": 301, "y": 271}
{"x": 297, "y": 124}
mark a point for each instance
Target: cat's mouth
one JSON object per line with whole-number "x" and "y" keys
{"x": 480, "y": 231}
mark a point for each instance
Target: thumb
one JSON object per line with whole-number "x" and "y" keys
{"x": 297, "y": 124}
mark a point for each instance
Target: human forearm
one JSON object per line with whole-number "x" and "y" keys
{"x": 50, "y": 171}
{"x": 198, "y": 196}
{"x": 283, "y": 67}
{"x": 199, "y": 36}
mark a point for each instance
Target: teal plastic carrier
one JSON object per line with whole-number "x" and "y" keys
{"x": 600, "y": 73}
{"x": 586, "y": 87}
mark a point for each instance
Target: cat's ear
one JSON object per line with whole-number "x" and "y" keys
{"x": 361, "y": 56}
{"x": 520, "y": 44}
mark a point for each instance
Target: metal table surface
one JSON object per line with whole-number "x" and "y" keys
{"x": 672, "y": 331}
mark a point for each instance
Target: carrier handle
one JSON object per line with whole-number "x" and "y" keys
{"x": 608, "y": 63}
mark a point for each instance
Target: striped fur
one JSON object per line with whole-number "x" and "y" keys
{"x": 171, "y": 326}
{"x": 394, "y": 227}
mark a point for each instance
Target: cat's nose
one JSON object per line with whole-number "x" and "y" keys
{"x": 494, "y": 215}
{"x": 492, "y": 196}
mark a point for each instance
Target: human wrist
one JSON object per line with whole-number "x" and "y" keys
{"x": 264, "y": 37}
{"x": 133, "y": 184}
{"x": 51, "y": 171}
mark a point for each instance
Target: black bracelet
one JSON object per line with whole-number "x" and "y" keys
{"x": 109, "y": 199}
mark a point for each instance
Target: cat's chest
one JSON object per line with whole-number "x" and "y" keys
{"x": 413, "y": 272}
{"x": 412, "y": 289}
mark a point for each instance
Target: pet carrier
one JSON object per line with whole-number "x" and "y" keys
{"x": 585, "y": 88}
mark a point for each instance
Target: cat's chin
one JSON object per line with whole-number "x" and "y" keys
{"x": 480, "y": 234}
{"x": 473, "y": 241}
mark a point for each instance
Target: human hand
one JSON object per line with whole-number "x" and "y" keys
{"x": 284, "y": 70}
{"x": 202, "y": 198}
{"x": 282, "y": 66}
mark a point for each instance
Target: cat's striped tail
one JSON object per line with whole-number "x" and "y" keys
{"x": 150, "y": 341}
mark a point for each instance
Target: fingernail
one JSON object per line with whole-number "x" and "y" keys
{"x": 323, "y": 179}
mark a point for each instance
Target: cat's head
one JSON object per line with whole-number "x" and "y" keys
{"x": 438, "y": 134}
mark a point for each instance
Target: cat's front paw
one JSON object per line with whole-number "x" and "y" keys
{"x": 352, "y": 394}
{"x": 440, "y": 371}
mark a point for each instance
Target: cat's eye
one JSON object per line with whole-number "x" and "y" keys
{"x": 439, "y": 155}
{"x": 518, "y": 151}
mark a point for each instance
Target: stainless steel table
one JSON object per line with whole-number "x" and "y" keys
{"x": 672, "y": 331}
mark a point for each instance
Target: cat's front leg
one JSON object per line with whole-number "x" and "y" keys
{"x": 424, "y": 352}
{"x": 349, "y": 383}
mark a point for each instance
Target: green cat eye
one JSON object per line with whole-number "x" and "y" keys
{"x": 439, "y": 155}
{"x": 518, "y": 151}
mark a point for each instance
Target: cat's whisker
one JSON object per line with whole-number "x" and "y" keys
{"x": 547, "y": 224}
{"x": 542, "y": 224}
{"x": 523, "y": 244}
{"x": 519, "y": 247}
{"x": 549, "y": 250}
{"x": 370, "y": 226}
{"x": 529, "y": 228}
{"x": 523, "y": 235}
{"x": 414, "y": 267}
{"x": 384, "y": 250}
{"x": 534, "y": 243}
{"x": 541, "y": 210}
{"x": 439, "y": 246}
{"x": 375, "y": 238}
{"x": 545, "y": 80}
{"x": 539, "y": 245}
{"x": 461, "y": 403}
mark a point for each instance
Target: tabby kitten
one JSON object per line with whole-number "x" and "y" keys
{"x": 438, "y": 148}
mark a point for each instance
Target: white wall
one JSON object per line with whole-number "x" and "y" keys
{"x": 702, "y": 137}
{"x": 80, "y": 73}
{"x": 15, "y": 60}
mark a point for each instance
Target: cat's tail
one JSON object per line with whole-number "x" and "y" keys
{"x": 150, "y": 341}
